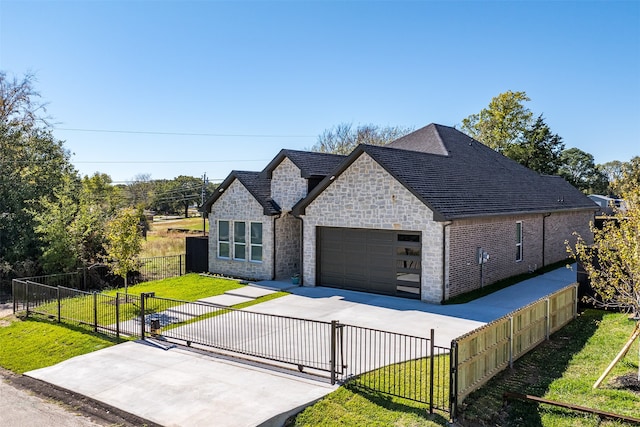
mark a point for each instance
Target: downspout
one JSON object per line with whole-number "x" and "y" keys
{"x": 544, "y": 231}
{"x": 301, "y": 249}
{"x": 273, "y": 270}
{"x": 444, "y": 258}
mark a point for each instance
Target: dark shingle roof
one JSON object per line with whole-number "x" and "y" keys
{"x": 470, "y": 180}
{"x": 311, "y": 164}
{"x": 255, "y": 183}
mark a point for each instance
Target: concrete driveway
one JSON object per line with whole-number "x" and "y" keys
{"x": 179, "y": 387}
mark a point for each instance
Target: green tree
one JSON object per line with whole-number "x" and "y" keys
{"x": 53, "y": 221}
{"x": 612, "y": 263}
{"x": 630, "y": 176}
{"x": 343, "y": 138}
{"x": 124, "y": 243}
{"x": 579, "y": 169}
{"x": 178, "y": 195}
{"x": 33, "y": 163}
{"x": 539, "y": 149}
{"x": 502, "y": 123}
{"x": 613, "y": 172}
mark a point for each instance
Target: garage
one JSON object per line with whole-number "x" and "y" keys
{"x": 379, "y": 261}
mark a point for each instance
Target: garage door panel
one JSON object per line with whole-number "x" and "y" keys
{"x": 358, "y": 259}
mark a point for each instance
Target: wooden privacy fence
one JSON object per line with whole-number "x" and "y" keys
{"x": 480, "y": 354}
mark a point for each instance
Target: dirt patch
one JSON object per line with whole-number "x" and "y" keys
{"x": 627, "y": 382}
{"x": 98, "y": 412}
{"x": 6, "y": 309}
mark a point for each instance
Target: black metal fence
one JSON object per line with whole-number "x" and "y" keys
{"x": 401, "y": 365}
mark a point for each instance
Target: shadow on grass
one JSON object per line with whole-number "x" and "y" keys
{"x": 398, "y": 404}
{"x": 533, "y": 373}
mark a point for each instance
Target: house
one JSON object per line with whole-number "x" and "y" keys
{"x": 431, "y": 215}
{"x": 607, "y": 204}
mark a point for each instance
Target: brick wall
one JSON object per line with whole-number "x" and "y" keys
{"x": 497, "y": 236}
{"x": 237, "y": 204}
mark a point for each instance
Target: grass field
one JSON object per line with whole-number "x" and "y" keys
{"x": 162, "y": 242}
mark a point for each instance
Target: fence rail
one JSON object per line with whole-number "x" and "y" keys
{"x": 400, "y": 365}
{"x": 482, "y": 353}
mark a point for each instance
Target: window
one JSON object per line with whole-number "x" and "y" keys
{"x": 256, "y": 241}
{"x": 519, "y": 241}
{"x": 223, "y": 239}
{"x": 239, "y": 240}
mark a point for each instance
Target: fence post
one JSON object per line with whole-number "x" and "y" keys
{"x": 27, "y": 296}
{"x": 575, "y": 300}
{"x": 142, "y": 298}
{"x": 332, "y": 360}
{"x": 547, "y": 315}
{"x": 95, "y": 312}
{"x": 59, "y": 304}
{"x": 511, "y": 341}
{"x": 180, "y": 263}
{"x": 453, "y": 380}
{"x": 13, "y": 295}
{"x": 431, "y": 373}
{"x": 118, "y": 315}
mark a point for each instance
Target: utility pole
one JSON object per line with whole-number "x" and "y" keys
{"x": 202, "y": 194}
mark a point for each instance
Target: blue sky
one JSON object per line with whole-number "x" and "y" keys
{"x": 185, "y": 88}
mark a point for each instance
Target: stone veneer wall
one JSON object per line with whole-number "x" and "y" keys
{"x": 287, "y": 246}
{"x": 367, "y": 196}
{"x": 287, "y": 187}
{"x": 497, "y": 236}
{"x": 237, "y": 204}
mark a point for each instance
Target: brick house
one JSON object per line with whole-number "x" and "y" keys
{"x": 431, "y": 215}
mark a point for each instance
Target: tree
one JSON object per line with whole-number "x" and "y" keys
{"x": 140, "y": 190}
{"x": 630, "y": 178}
{"x": 580, "y": 171}
{"x": 612, "y": 263}
{"x": 539, "y": 148}
{"x": 33, "y": 165}
{"x": 343, "y": 138}
{"x": 613, "y": 172}
{"x": 502, "y": 123}
{"x": 178, "y": 194}
{"x": 124, "y": 243}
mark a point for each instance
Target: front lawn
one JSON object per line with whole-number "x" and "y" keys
{"x": 36, "y": 343}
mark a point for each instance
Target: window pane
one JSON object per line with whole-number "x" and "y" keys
{"x": 408, "y": 237}
{"x": 256, "y": 253}
{"x": 256, "y": 233}
{"x": 223, "y": 231}
{"x": 408, "y": 277}
{"x": 223, "y": 252}
{"x": 408, "y": 251}
{"x": 518, "y": 232}
{"x": 239, "y": 232}
{"x": 238, "y": 251}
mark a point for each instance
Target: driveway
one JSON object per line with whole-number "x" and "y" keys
{"x": 178, "y": 387}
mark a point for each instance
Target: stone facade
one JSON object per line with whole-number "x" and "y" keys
{"x": 287, "y": 246}
{"x": 237, "y": 204}
{"x": 287, "y": 186}
{"x": 367, "y": 196}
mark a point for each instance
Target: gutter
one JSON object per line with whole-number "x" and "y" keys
{"x": 301, "y": 267}
{"x": 544, "y": 233}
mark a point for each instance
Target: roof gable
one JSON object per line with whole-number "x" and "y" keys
{"x": 258, "y": 186}
{"x": 311, "y": 164}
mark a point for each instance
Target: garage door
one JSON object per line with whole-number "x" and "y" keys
{"x": 379, "y": 261}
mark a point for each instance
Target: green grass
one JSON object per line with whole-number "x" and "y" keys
{"x": 564, "y": 369}
{"x": 33, "y": 344}
{"x": 501, "y": 284}
{"x": 357, "y": 405}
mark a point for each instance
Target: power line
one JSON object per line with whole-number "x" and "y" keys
{"x": 222, "y": 135}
